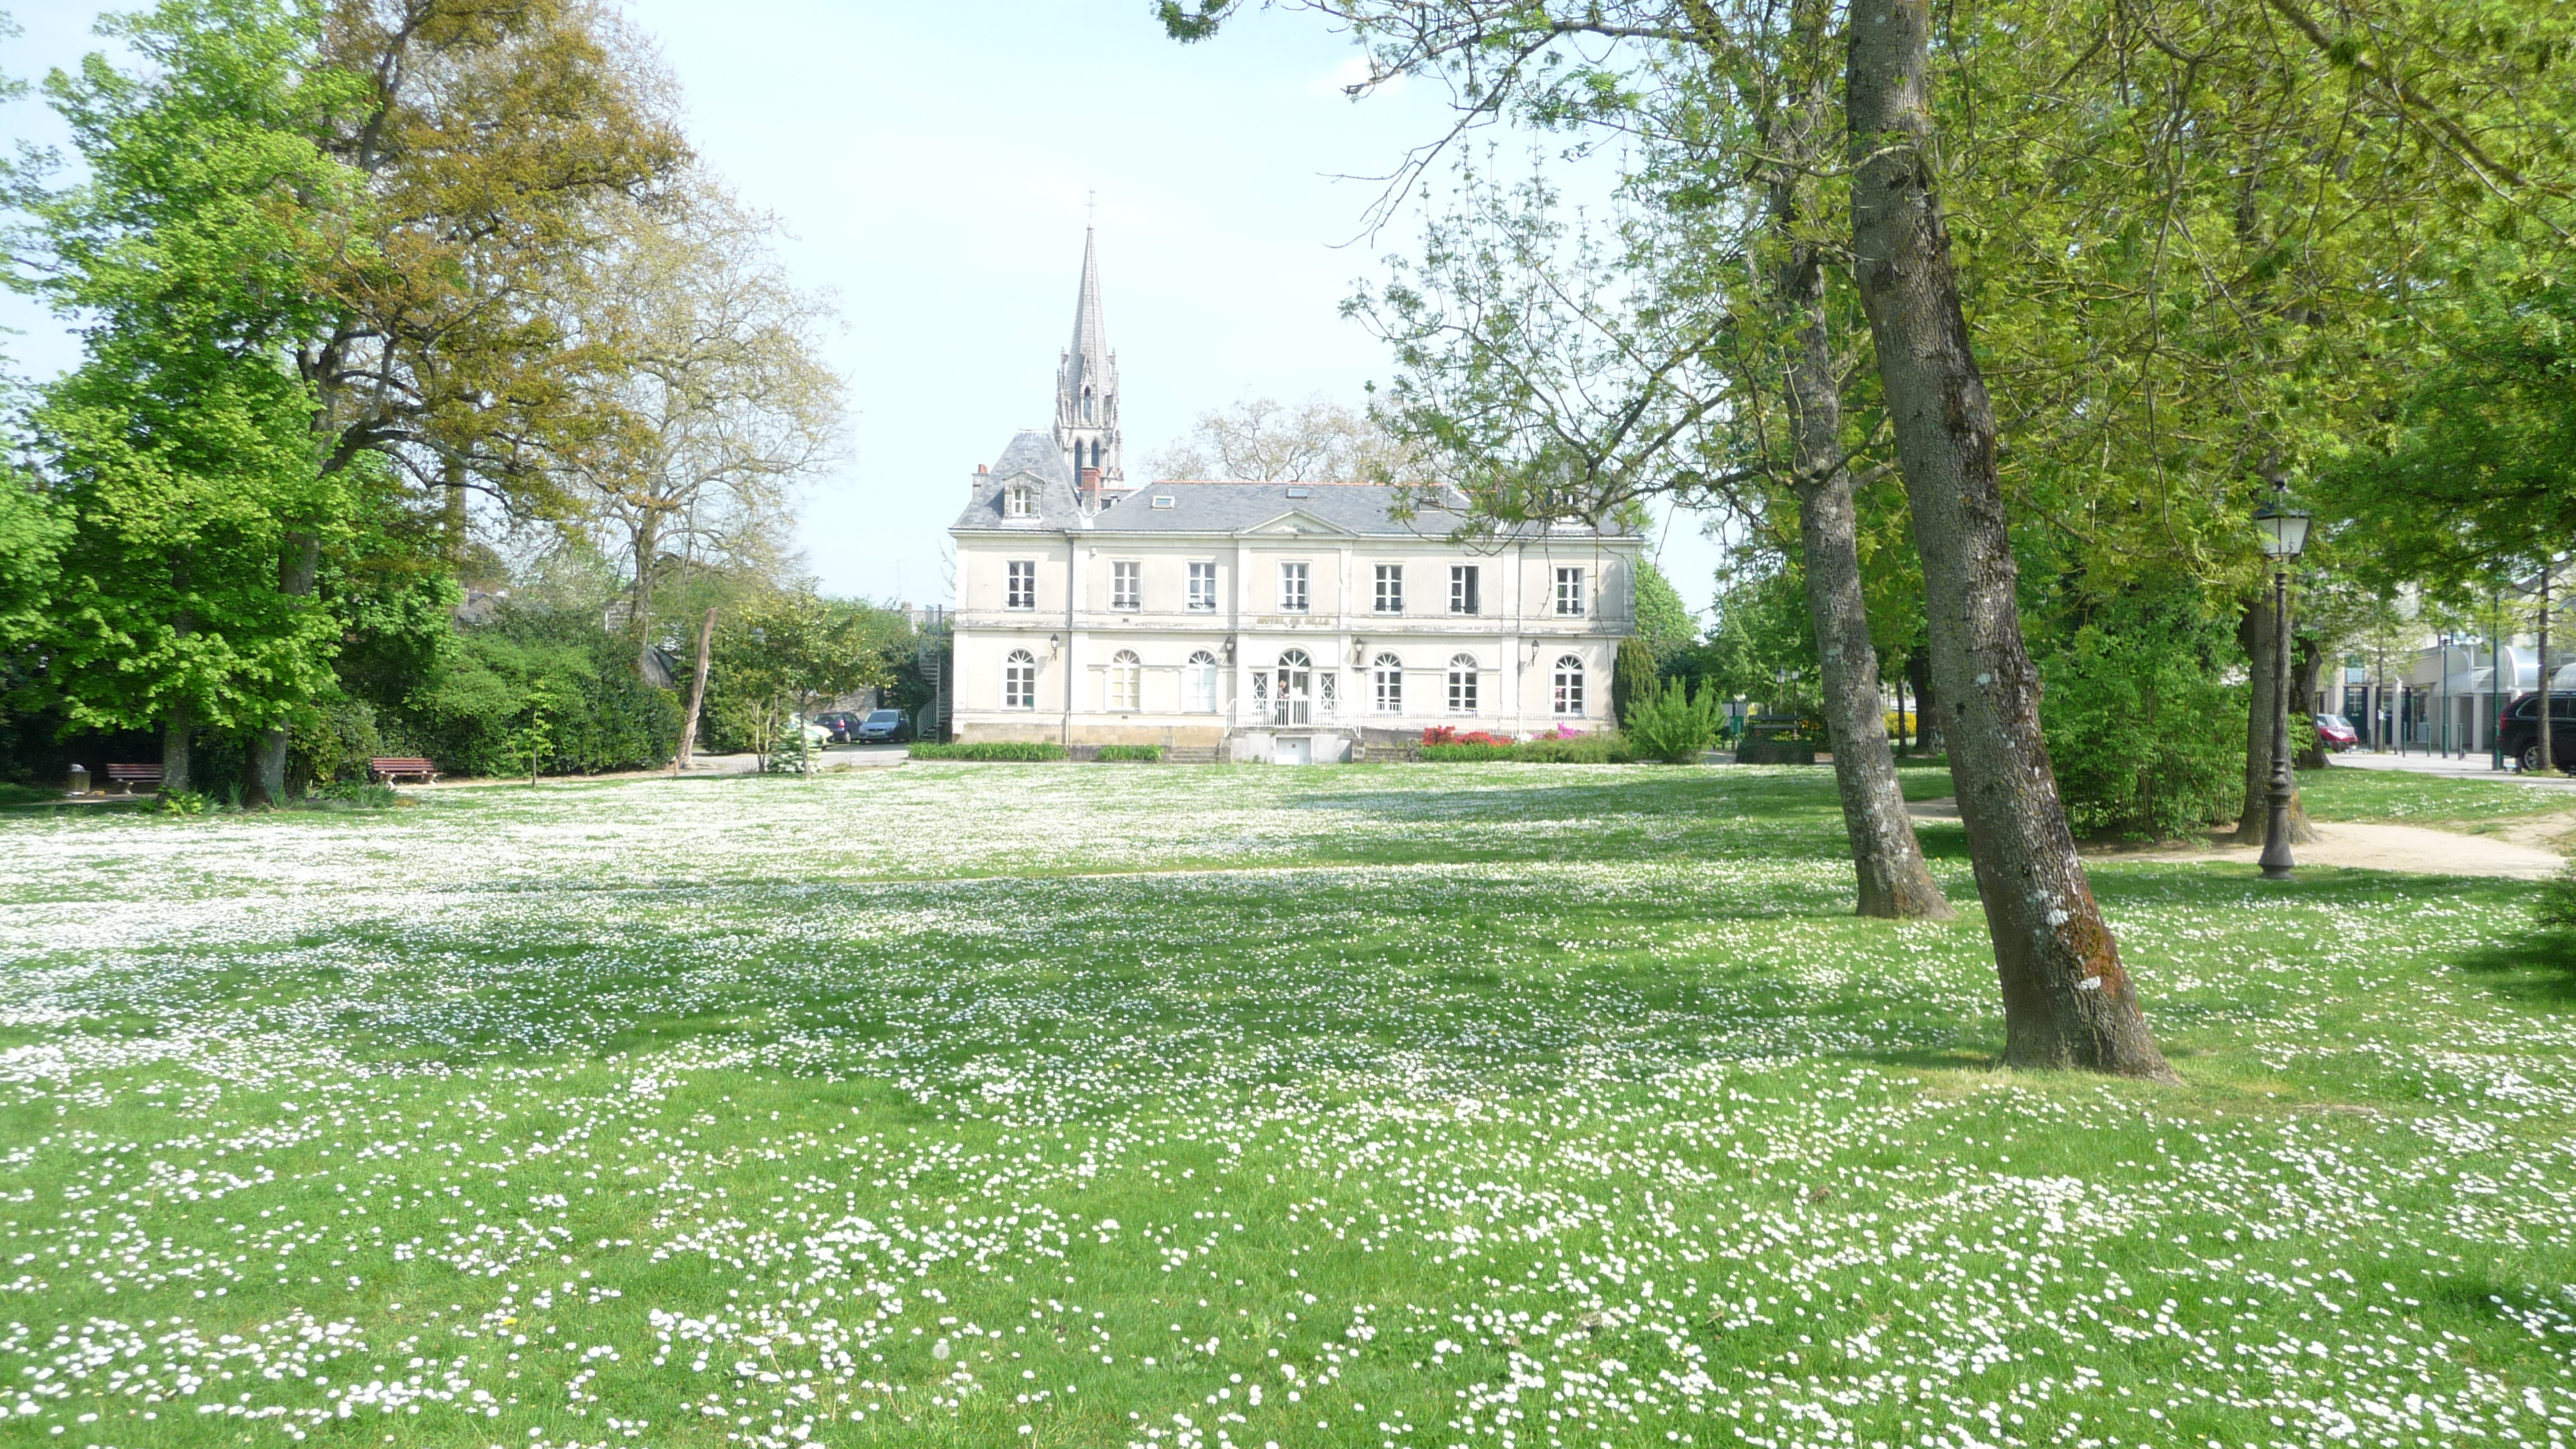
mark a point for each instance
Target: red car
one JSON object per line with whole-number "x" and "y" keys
{"x": 2336, "y": 733}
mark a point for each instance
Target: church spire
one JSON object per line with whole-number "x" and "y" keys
{"x": 1086, "y": 386}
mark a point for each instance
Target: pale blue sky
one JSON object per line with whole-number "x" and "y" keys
{"x": 933, "y": 169}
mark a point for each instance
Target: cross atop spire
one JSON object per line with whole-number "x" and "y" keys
{"x": 1086, "y": 386}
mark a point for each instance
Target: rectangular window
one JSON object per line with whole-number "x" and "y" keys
{"x": 1390, "y": 588}
{"x": 1462, "y": 590}
{"x": 1569, "y": 591}
{"x": 1203, "y": 588}
{"x": 1292, "y": 588}
{"x": 1126, "y": 589}
{"x": 1024, "y": 584}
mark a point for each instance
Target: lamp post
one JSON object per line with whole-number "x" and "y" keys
{"x": 2283, "y": 532}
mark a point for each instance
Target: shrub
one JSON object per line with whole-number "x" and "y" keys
{"x": 479, "y": 713}
{"x": 988, "y": 750}
{"x": 2147, "y": 742}
{"x": 789, "y": 753}
{"x": 335, "y": 744}
{"x": 1600, "y": 749}
{"x": 1669, "y": 725}
{"x": 1146, "y": 753}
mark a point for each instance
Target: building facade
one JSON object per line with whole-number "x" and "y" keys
{"x": 1276, "y": 621}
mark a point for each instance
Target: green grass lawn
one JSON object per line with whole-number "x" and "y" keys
{"x": 1197, "y": 1106}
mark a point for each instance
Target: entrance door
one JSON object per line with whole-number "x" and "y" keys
{"x": 1296, "y": 689}
{"x": 1298, "y": 751}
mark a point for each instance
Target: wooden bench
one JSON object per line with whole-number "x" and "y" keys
{"x": 387, "y": 768}
{"x": 130, "y": 776}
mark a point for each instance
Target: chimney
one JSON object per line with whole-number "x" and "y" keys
{"x": 1091, "y": 485}
{"x": 980, "y": 468}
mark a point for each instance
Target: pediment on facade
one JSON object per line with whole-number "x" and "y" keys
{"x": 1294, "y": 523}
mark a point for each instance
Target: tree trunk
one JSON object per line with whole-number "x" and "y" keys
{"x": 639, "y": 613}
{"x": 697, "y": 691}
{"x": 1918, "y": 677}
{"x": 298, "y": 563}
{"x": 2067, "y": 1000}
{"x": 2307, "y": 676}
{"x": 2548, "y": 717}
{"x": 1887, "y": 860}
{"x": 175, "y": 727}
{"x": 2254, "y": 636}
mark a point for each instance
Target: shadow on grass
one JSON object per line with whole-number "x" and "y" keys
{"x": 2538, "y": 968}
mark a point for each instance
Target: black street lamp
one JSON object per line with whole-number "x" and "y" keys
{"x": 2283, "y": 532}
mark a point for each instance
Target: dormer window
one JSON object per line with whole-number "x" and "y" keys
{"x": 1019, "y": 501}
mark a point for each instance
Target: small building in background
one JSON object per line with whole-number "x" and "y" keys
{"x": 1295, "y": 622}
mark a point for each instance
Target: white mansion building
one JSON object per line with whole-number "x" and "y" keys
{"x": 1267, "y": 621}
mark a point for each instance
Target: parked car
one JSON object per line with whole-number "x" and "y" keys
{"x": 844, "y": 724}
{"x": 880, "y": 727}
{"x": 2520, "y": 734}
{"x": 2336, "y": 733}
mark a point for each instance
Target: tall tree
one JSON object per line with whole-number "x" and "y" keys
{"x": 1692, "y": 358}
{"x": 488, "y": 136}
{"x": 711, "y": 400}
{"x": 1264, "y": 440}
{"x": 2068, "y": 1001}
{"x": 180, "y": 446}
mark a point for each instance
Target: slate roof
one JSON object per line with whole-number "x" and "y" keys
{"x": 1196, "y": 507}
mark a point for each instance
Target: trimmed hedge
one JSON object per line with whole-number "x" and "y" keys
{"x": 1146, "y": 754}
{"x": 1602, "y": 749}
{"x": 989, "y": 750}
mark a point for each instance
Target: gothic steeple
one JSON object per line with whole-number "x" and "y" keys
{"x": 1086, "y": 387}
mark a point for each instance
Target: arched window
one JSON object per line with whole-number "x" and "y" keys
{"x": 1296, "y": 690}
{"x": 1386, "y": 682}
{"x": 1020, "y": 680}
{"x": 1198, "y": 683}
{"x": 1019, "y": 501}
{"x": 1086, "y": 405}
{"x": 1462, "y": 684}
{"x": 1126, "y": 682}
{"x": 1569, "y": 684}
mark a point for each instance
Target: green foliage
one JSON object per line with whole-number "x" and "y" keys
{"x": 776, "y": 657}
{"x": 1671, "y": 726}
{"x": 1633, "y": 676}
{"x": 541, "y": 684}
{"x": 1145, "y": 753}
{"x": 341, "y": 795}
{"x": 1761, "y": 629}
{"x": 181, "y": 452}
{"x": 333, "y": 745}
{"x": 33, "y": 529}
{"x": 988, "y": 750}
{"x": 790, "y": 754}
{"x": 2480, "y": 473}
{"x": 2147, "y": 740}
{"x": 180, "y": 802}
{"x": 1664, "y": 622}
